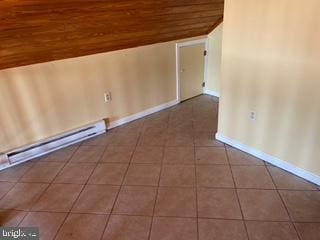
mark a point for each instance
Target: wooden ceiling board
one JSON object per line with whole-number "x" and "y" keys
{"x": 35, "y": 31}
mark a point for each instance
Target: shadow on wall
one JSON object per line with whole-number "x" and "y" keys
{"x": 43, "y": 100}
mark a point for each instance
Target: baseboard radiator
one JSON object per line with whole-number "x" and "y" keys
{"x": 46, "y": 146}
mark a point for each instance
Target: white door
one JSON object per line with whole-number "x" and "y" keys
{"x": 192, "y": 62}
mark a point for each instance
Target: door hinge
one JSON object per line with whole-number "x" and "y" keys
{"x": 203, "y": 84}
{"x": 205, "y": 53}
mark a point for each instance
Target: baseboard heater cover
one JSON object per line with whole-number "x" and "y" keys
{"x": 46, "y": 146}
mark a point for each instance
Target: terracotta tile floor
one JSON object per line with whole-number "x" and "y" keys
{"x": 160, "y": 177}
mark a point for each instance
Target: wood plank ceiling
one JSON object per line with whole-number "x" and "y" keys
{"x": 34, "y": 31}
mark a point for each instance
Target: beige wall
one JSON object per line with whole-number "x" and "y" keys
{"x": 270, "y": 64}
{"x": 43, "y": 100}
{"x": 214, "y": 59}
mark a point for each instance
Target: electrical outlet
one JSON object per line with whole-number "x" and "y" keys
{"x": 107, "y": 97}
{"x": 253, "y": 116}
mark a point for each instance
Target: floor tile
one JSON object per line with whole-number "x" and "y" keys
{"x": 179, "y": 155}
{"x": 88, "y": 154}
{"x": 135, "y": 200}
{"x": 11, "y": 218}
{"x": 211, "y": 155}
{"x": 188, "y": 130}
{"x": 177, "y": 176}
{"x": 145, "y": 154}
{"x": 181, "y": 120}
{"x": 252, "y": 177}
{"x": 42, "y": 172}
{"x": 101, "y": 140}
{"x": 77, "y": 173}
{"x": 218, "y": 203}
{"x": 134, "y": 127}
{"x": 206, "y": 139}
{"x": 214, "y": 176}
{"x": 13, "y": 174}
{"x": 158, "y": 116}
{"x": 303, "y": 206}
{"x": 262, "y": 205}
{"x": 82, "y": 227}
{"x": 143, "y": 174}
{"x": 5, "y": 187}
{"x": 174, "y": 228}
{"x": 117, "y": 154}
{"x": 221, "y": 229}
{"x": 271, "y": 230}
{"x": 153, "y": 137}
{"x": 125, "y": 139}
{"x": 96, "y": 199}
{"x": 108, "y": 173}
{"x": 22, "y": 196}
{"x": 308, "y": 231}
{"x": 127, "y": 227}
{"x": 58, "y": 198}
{"x": 155, "y": 124}
{"x": 205, "y": 125}
{"x": 285, "y": 180}
{"x": 237, "y": 157}
{"x": 48, "y": 223}
{"x": 180, "y": 125}
{"x": 180, "y": 140}
{"x": 61, "y": 155}
{"x": 176, "y": 202}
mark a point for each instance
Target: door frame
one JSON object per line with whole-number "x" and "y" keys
{"x": 179, "y": 45}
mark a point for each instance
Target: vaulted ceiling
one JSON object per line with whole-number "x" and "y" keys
{"x": 34, "y": 31}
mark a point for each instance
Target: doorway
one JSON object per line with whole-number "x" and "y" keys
{"x": 191, "y": 68}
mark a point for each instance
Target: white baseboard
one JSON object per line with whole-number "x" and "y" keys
{"x": 270, "y": 159}
{"x": 141, "y": 114}
{"x": 211, "y": 93}
{"x": 5, "y": 163}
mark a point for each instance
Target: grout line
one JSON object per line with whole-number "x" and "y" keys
{"x": 123, "y": 179}
{"x": 234, "y": 182}
{"x": 196, "y": 179}
{"x": 17, "y": 181}
{"x": 49, "y": 184}
{"x": 140, "y": 135}
{"x": 157, "y": 192}
{"x": 141, "y": 215}
{"x": 284, "y": 204}
{"x": 10, "y": 188}
{"x": 83, "y": 187}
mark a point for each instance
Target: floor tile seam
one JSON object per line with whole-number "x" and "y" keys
{"x": 196, "y": 182}
{"x": 168, "y": 216}
{"x": 236, "y": 192}
{"x": 284, "y": 204}
{"x": 43, "y": 192}
{"x": 166, "y": 186}
{"x": 121, "y": 185}
{"x": 52, "y": 181}
{"x": 79, "y": 194}
{"x": 157, "y": 193}
{"x": 7, "y": 191}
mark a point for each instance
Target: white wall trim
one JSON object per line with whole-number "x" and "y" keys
{"x": 192, "y": 42}
{"x": 204, "y": 41}
{"x": 211, "y": 93}
{"x": 141, "y": 114}
{"x": 4, "y": 163}
{"x": 270, "y": 159}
